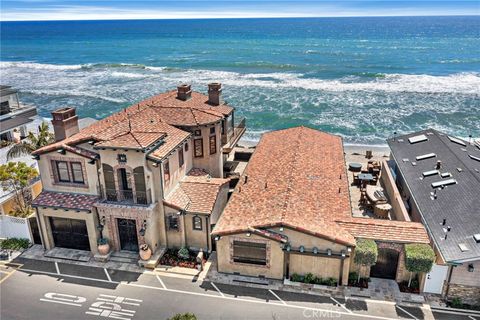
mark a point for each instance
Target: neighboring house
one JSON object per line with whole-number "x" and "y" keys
{"x": 291, "y": 213}
{"x": 439, "y": 179}
{"x": 152, "y": 173}
{"x": 13, "y": 115}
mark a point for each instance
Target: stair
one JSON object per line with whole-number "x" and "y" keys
{"x": 124, "y": 257}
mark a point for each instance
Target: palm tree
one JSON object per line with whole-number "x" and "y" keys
{"x": 32, "y": 142}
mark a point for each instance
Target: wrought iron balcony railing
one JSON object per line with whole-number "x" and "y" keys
{"x": 128, "y": 196}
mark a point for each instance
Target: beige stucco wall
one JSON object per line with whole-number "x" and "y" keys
{"x": 220, "y": 204}
{"x": 46, "y": 230}
{"x": 320, "y": 266}
{"x": 212, "y": 163}
{"x": 395, "y": 199}
{"x": 461, "y": 276}
{"x": 197, "y": 239}
{"x": 275, "y": 257}
{"x": 177, "y": 172}
{"x": 298, "y": 239}
{"x": 175, "y": 239}
{"x": 48, "y": 180}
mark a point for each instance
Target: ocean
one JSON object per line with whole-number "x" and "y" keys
{"x": 362, "y": 78}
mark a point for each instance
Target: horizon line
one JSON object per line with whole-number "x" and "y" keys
{"x": 252, "y": 17}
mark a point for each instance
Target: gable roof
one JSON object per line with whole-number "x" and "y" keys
{"x": 458, "y": 203}
{"x": 196, "y": 193}
{"x": 296, "y": 177}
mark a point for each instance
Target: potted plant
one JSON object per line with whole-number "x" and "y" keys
{"x": 145, "y": 252}
{"x": 103, "y": 246}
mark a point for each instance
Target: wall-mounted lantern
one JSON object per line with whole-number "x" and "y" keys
{"x": 143, "y": 229}
{"x": 471, "y": 268}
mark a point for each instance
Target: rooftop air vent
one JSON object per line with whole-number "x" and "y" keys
{"x": 476, "y": 237}
{"x": 443, "y": 183}
{"x": 463, "y": 247}
{"x": 416, "y": 139}
{"x": 446, "y": 175}
{"x": 426, "y": 156}
{"x": 429, "y": 173}
{"x": 457, "y": 141}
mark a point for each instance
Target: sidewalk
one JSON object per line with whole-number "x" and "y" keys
{"x": 379, "y": 289}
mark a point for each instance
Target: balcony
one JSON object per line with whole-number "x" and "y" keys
{"x": 127, "y": 197}
{"x": 230, "y": 140}
{"x": 16, "y": 116}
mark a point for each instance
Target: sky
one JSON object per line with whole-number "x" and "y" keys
{"x": 179, "y": 9}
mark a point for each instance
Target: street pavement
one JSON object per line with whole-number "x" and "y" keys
{"x": 32, "y": 289}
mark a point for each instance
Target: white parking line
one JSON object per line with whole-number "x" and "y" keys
{"x": 56, "y": 267}
{"x": 411, "y": 315}
{"x": 341, "y": 305}
{"x": 218, "y": 290}
{"x": 213, "y": 296}
{"x": 107, "y": 274}
{"x": 161, "y": 282}
{"x": 472, "y": 318}
{"x": 276, "y": 296}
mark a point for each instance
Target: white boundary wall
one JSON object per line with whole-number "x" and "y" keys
{"x": 13, "y": 227}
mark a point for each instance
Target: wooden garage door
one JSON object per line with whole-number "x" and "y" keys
{"x": 386, "y": 266}
{"x": 70, "y": 233}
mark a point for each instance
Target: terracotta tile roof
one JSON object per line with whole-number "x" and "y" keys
{"x": 386, "y": 230}
{"x": 65, "y": 200}
{"x": 296, "y": 178}
{"x": 195, "y": 193}
{"x": 192, "y": 112}
{"x": 142, "y": 125}
{"x": 136, "y": 127}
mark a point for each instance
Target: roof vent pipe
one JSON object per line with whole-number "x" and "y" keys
{"x": 439, "y": 165}
{"x": 444, "y": 221}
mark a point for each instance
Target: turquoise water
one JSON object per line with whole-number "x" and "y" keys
{"x": 363, "y": 78}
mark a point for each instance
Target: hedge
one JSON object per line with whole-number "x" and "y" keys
{"x": 419, "y": 257}
{"x": 366, "y": 252}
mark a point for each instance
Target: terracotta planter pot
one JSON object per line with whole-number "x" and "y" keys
{"x": 145, "y": 254}
{"x": 103, "y": 249}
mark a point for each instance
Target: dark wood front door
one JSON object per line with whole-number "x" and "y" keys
{"x": 127, "y": 232}
{"x": 386, "y": 266}
{"x": 70, "y": 233}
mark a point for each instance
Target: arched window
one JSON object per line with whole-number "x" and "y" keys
{"x": 197, "y": 223}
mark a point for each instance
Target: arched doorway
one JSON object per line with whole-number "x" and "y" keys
{"x": 386, "y": 266}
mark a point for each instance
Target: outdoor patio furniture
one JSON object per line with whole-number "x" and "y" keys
{"x": 382, "y": 210}
{"x": 375, "y": 194}
{"x": 355, "y": 167}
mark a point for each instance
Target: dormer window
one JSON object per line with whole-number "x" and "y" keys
{"x": 62, "y": 170}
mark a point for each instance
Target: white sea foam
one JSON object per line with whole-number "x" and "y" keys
{"x": 38, "y": 66}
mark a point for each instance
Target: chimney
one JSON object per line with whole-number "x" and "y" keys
{"x": 184, "y": 92}
{"x": 215, "y": 93}
{"x": 65, "y": 123}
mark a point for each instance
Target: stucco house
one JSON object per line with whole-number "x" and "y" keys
{"x": 291, "y": 213}
{"x": 152, "y": 173}
{"x": 438, "y": 177}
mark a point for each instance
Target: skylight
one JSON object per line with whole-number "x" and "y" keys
{"x": 474, "y": 158}
{"x": 429, "y": 173}
{"x": 463, "y": 247}
{"x": 416, "y": 139}
{"x": 426, "y": 156}
{"x": 443, "y": 183}
{"x": 446, "y": 175}
{"x": 457, "y": 141}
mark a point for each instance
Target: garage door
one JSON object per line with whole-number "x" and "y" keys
{"x": 70, "y": 233}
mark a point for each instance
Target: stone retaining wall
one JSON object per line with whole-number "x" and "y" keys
{"x": 468, "y": 294}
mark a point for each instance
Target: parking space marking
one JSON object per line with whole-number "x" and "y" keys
{"x": 472, "y": 318}
{"x": 411, "y": 315}
{"x": 161, "y": 282}
{"x": 107, "y": 274}
{"x": 218, "y": 290}
{"x": 62, "y": 302}
{"x": 276, "y": 296}
{"x": 341, "y": 305}
{"x": 213, "y": 296}
{"x": 57, "y": 268}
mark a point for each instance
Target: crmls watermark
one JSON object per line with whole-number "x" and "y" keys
{"x": 318, "y": 314}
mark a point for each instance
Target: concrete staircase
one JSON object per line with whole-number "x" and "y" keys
{"x": 124, "y": 257}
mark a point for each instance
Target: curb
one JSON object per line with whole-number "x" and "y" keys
{"x": 456, "y": 310}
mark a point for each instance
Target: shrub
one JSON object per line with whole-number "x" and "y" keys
{"x": 366, "y": 253}
{"x": 102, "y": 241}
{"x": 183, "y": 316}
{"x": 456, "y": 303}
{"x": 353, "y": 277}
{"x": 318, "y": 280}
{"x": 332, "y": 282}
{"x": 309, "y": 277}
{"x": 418, "y": 258}
{"x": 15, "y": 244}
{"x": 296, "y": 277}
{"x": 183, "y": 253}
